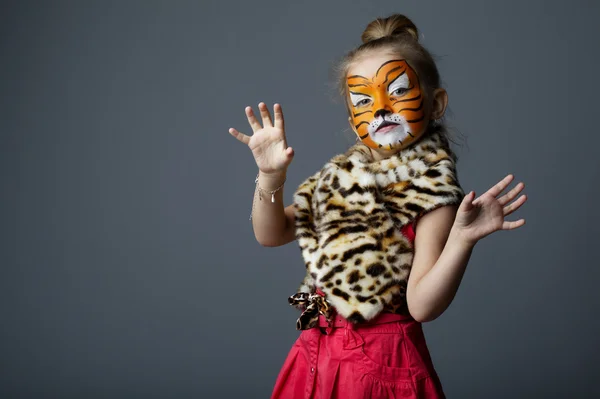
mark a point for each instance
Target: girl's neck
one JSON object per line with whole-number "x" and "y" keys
{"x": 378, "y": 156}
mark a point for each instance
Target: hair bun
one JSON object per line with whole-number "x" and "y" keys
{"x": 394, "y": 25}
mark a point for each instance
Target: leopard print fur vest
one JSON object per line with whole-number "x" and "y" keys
{"x": 349, "y": 217}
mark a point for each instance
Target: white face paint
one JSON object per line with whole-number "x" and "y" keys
{"x": 399, "y": 86}
{"x": 396, "y": 132}
{"x": 398, "y": 129}
{"x": 359, "y": 100}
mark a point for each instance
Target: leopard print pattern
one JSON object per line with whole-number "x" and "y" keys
{"x": 348, "y": 221}
{"x": 312, "y": 305}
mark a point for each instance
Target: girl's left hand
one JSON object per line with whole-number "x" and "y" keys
{"x": 478, "y": 218}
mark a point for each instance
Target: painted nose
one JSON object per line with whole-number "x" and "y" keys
{"x": 382, "y": 112}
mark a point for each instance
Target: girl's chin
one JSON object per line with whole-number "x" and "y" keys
{"x": 393, "y": 139}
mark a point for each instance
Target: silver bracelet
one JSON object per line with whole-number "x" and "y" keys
{"x": 261, "y": 190}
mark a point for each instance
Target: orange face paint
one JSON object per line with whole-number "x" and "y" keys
{"x": 387, "y": 109}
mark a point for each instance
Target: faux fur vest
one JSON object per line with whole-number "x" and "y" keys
{"x": 348, "y": 221}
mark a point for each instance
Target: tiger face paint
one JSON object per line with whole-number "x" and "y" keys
{"x": 386, "y": 108}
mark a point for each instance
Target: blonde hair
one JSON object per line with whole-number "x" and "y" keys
{"x": 398, "y": 35}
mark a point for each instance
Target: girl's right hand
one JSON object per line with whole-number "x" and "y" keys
{"x": 268, "y": 143}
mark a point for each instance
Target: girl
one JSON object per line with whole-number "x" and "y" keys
{"x": 385, "y": 229}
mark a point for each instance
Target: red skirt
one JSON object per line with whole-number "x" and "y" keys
{"x": 386, "y": 358}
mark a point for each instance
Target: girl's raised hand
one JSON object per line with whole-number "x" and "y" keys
{"x": 477, "y": 218}
{"x": 268, "y": 144}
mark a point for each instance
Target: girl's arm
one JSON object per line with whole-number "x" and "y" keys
{"x": 273, "y": 224}
{"x": 444, "y": 241}
{"x": 440, "y": 260}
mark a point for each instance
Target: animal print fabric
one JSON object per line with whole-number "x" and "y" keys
{"x": 349, "y": 217}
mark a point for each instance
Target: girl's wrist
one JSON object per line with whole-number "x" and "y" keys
{"x": 459, "y": 239}
{"x": 270, "y": 183}
{"x": 271, "y": 180}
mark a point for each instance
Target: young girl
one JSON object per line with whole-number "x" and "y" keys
{"x": 385, "y": 229}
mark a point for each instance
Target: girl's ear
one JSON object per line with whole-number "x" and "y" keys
{"x": 440, "y": 102}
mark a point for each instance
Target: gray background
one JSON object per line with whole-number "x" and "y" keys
{"x": 128, "y": 265}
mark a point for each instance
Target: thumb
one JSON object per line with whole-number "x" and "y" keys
{"x": 289, "y": 152}
{"x": 467, "y": 202}
{"x": 289, "y": 155}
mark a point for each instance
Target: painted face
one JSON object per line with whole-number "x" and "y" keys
{"x": 387, "y": 108}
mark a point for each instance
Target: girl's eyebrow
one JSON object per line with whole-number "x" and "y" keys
{"x": 358, "y": 84}
{"x": 358, "y": 77}
{"x": 365, "y": 81}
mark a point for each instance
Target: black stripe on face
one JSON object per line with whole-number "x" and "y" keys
{"x": 360, "y": 113}
{"x": 387, "y": 75}
{"x": 385, "y": 63}
{"x": 420, "y": 107}
{"x": 408, "y": 99}
{"x": 416, "y": 120}
{"x": 363, "y": 122}
{"x": 358, "y": 85}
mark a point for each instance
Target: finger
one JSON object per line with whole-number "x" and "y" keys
{"x": 279, "y": 122}
{"x": 240, "y": 136}
{"x": 467, "y": 202}
{"x": 266, "y": 116}
{"x": 513, "y": 225}
{"x": 252, "y": 119}
{"x": 515, "y": 205}
{"x": 500, "y": 186}
{"x": 512, "y": 194}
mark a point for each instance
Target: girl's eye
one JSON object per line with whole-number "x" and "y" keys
{"x": 399, "y": 91}
{"x": 359, "y": 99}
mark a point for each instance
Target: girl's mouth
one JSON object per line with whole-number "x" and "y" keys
{"x": 386, "y": 126}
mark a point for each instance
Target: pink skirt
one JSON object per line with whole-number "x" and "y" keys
{"x": 386, "y": 358}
